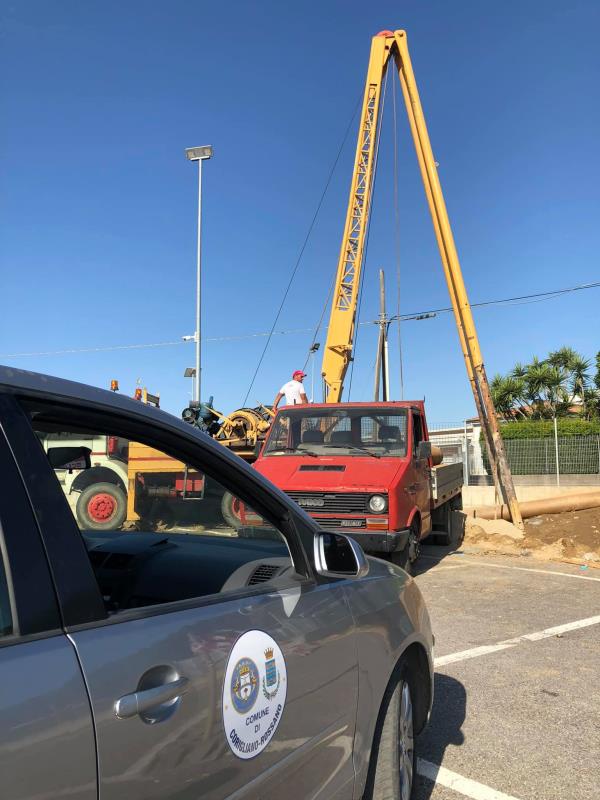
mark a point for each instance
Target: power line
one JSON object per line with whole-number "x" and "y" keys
{"x": 416, "y": 315}
{"x": 302, "y": 249}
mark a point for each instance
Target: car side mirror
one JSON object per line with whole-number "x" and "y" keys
{"x": 70, "y": 457}
{"x": 339, "y": 556}
{"x": 423, "y": 450}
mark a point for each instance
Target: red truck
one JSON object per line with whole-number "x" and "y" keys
{"x": 367, "y": 470}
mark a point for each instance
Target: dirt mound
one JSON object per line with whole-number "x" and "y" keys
{"x": 572, "y": 536}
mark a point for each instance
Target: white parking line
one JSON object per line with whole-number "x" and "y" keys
{"x": 456, "y": 782}
{"x": 531, "y": 569}
{"x": 475, "y": 652}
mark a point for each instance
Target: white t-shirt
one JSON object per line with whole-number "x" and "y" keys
{"x": 292, "y": 391}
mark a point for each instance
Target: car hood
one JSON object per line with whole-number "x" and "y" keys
{"x": 344, "y": 474}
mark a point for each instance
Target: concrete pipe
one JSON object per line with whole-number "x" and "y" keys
{"x": 533, "y": 508}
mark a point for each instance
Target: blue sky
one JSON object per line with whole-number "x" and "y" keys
{"x": 98, "y": 202}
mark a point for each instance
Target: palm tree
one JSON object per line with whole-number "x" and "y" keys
{"x": 544, "y": 389}
{"x": 507, "y": 394}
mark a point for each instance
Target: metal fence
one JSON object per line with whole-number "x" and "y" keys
{"x": 566, "y": 460}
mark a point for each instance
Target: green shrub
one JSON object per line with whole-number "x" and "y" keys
{"x": 540, "y": 429}
{"x": 530, "y": 447}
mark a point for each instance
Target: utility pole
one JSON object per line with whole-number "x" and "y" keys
{"x": 382, "y": 371}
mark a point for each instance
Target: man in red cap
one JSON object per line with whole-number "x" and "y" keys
{"x": 293, "y": 391}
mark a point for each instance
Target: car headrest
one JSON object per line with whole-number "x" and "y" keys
{"x": 389, "y": 433}
{"x": 312, "y": 436}
{"x": 343, "y": 437}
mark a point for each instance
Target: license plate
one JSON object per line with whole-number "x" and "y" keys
{"x": 352, "y": 523}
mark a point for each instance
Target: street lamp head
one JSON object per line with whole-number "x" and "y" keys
{"x": 190, "y": 372}
{"x": 197, "y": 153}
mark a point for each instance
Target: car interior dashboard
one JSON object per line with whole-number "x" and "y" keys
{"x": 140, "y": 569}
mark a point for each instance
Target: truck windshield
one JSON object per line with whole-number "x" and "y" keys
{"x": 353, "y": 431}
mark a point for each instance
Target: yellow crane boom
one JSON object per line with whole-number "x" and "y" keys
{"x": 337, "y": 352}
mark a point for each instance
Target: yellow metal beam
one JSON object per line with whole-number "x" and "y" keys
{"x": 456, "y": 286}
{"x": 337, "y": 352}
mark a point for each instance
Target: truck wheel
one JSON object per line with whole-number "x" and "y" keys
{"x": 392, "y": 767}
{"x": 453, "y": 533}
{"x": 406, "y": 557}
{"x": 102, "y": 507}
{"x": 230, "y": 510}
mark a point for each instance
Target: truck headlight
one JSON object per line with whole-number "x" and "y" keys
{"x": 378, "y": 503}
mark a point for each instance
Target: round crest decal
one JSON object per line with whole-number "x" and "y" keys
{"x": 254, "y": 692}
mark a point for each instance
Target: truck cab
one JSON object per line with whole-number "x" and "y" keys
{"x": 364, "y": 469}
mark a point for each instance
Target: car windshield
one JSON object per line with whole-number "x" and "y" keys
{"x": 352, "y": 431}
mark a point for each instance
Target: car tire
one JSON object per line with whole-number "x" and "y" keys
{"x": 392, "y": 768}
{"x": 101, "y": 507}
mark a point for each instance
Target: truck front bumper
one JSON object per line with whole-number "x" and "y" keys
{"x": 379, "y": 541}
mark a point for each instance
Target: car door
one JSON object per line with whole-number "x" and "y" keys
{"x": 420, "y": 474}
{"x": 47, "y": 746}
{"x": 248, "y": 690}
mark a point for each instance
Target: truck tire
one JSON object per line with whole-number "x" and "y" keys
{"x": 406, "y": 557}
{"x": 101, "y": 507}
{"x": 392, "y": 767}
{"x": 452, "y": 534}
{"x": 230, "y": 512}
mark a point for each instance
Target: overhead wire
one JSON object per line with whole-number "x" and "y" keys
{"x": 526, "y": 299}
{"x": 302, "y": 249}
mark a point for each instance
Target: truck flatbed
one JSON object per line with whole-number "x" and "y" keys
{"x": 446, "y": 482}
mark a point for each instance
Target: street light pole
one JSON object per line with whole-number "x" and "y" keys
{"x": 198, "y": 154}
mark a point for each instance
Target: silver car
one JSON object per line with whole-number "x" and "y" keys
{"x": 204, "y": 640}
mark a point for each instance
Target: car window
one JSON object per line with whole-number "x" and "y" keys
{"x": 156, "y": 529}
{"x": 6, "y": 620}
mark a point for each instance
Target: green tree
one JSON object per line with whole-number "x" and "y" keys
{"x": 548, "y": 388}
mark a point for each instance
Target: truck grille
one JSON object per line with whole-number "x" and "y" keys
{"x": 330, "y": 502}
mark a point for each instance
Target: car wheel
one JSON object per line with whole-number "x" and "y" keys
{"x": 102, "y": 507}
{"x": 392, "y": 769}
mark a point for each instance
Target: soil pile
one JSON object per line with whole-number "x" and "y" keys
{"x": 572, "y": 536}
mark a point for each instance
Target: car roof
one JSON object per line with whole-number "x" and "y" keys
{"x": 37, "y": 385}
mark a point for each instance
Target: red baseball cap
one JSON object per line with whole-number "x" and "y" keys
{"x": 300, "y": 373}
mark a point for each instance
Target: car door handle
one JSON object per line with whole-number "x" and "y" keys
{"x": 130, "y": 705}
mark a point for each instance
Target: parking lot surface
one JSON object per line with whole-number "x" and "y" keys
{"x": 517, "y": 679}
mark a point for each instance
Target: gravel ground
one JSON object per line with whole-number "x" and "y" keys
{"x": 522, "y": 721}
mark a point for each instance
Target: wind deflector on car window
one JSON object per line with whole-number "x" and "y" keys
{"x": 322, "y": 468}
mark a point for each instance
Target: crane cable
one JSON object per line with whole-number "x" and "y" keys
{"x": 397, "y": 236}
{"x": 302, "y": 249}
{"x": 374, "y": 179}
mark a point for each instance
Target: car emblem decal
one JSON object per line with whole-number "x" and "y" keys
{"x": 244, "y": 685}
{"x": 254, "y": 693}
{"x": 272, "y": 676}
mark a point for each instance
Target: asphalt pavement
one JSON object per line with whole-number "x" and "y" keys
{"x": 517, "y": 690}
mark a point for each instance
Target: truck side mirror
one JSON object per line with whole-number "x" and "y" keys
{"x": 423, "y": 450}
{"x": 70, "y": 458}
{"x": 339, "y": 556}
